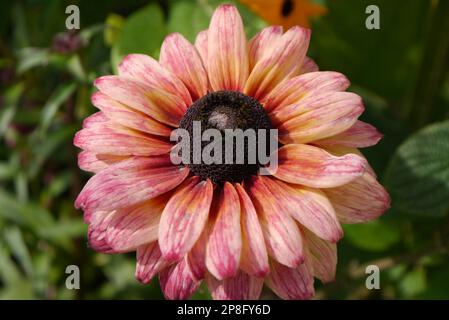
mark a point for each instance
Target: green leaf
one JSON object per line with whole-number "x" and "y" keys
{"x": 53, "y": 104}
{"x": 8, "y": 110}
{"x": 187, "y": 18}
{"x": 418, "y": 174}
{"x": 142, "y": 32}
{"x": 413, "y": 283}
{"x": 18, "y": 248}
{"x": 373, "y": 236}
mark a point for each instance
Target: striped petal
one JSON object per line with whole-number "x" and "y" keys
{"x": 151, "y": 100}
{"x": 282, "y": 236}
{"x": 132, "y": 227}
{"x": 149, "y": 262}
{"x": 314, "y": 167}
{"x": 364, "y": 199}
{"x": 240, "y": 287}
{"x": 197, "y": 255}
{"x": 254, "y": 257}
{"x": 148, "y": 71}
{"x": 96, "y": 233}
{"x": 323, "y": 257}
{"x": 308, "y": 206}
{"x": 292, "y": 92}
{"x": 360, "y": 135}
{"x": 92, "y": 162}
{"x": 180, "y": 57}
{"x": 318, "y": 117}
{"x": 227, "y": 50}
{"x": 308, "y": 66}
{"x": 108, "y": 138}
{"x": 280, "y": 63}
{"x": 225, "y": 242}
{"x": 201, "y": 44}
{"x": 121, "y": 114}
{"x": 263, "y": 43}
{"x": 291, "y": 283}
{"x": 177, "y": 281}
{"x": 184, "y": 218}
{"x": 130, "y": 182}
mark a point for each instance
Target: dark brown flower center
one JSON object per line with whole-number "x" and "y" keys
{"x": 224, "y": 110}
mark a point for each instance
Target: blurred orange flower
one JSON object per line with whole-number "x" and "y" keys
{"x": 287, "y": 13}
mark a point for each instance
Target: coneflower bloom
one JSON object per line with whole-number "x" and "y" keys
{"x": 229, "y": 226}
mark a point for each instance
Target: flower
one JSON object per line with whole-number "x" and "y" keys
{"x": 287, "y": 13}
{"x": 190, "y": 223}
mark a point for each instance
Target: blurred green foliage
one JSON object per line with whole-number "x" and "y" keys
{"x": 401, "y": 71}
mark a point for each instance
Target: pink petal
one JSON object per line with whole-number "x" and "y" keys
{"x": 282, "y": 62}
{"x": 148, "y": 71}
{"x": 364, "y": 199}
{"x": 149, "y": 262}
{"x": 96, "y": 233}
{"x": 197, "y": 255}
{"x": 201, "y": 44}
{"x": 318, "y": 117}
{"x": 314, "y": 167}
{"x": 254, "y": 258}
{"x": 130, "y": 182}
{"x": 184, "y": 218}
{"x": 308, "y": 66}
{"x": 121, "y": 114}
{"x": 323, "y": 257}
{"x": 180, "y": 57}
{"x": 106, "y": 138}
{"x": 360, "y": 135}
{"x": 291, "y": 283}
{"x": 151, "y": 100}
{"x": 263, "y": 43}
{"x": 92, "y": 162}
{"x": 291, "y": 93}
{"x": 227, "y": 53}
{"x": 225, "y": 242}
{"x": 310, "y": 207}
{"x": 177, "y": 281}
{"x": 240, "y": 287}
{"x": 132, "y": 227}
{"x": 282, "y": 236}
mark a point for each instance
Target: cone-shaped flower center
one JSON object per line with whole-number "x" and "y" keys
{"x": 225, "y": 112}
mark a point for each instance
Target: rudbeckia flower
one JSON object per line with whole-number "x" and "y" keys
{"x": 226, "y": 224}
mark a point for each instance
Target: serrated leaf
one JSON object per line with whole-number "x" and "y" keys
{"x": 418, "y": 174}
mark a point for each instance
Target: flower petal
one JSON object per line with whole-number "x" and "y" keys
{"x": 107, "y": 138}
{"x": 322, "y": 255}
{"x": 148, "y": 71}
{"x": 180, "y": 57}
{"x": 308, "y": 66}
{"x": 149, "y": 262}
{"x": 282, "y": 236}
{"x": 201, "y": 44}
{"x": 92, "y": 162}
{"x": 241, "y": 287}
{"x": 184, "y": 218}
{"x": 177, "y": 281}
{"x": 151, "y": 100}
{"x": 254, "y": 257}
{"x": 282, "y": 62}
{"x": 308, "y": 206}
{"x": 360, "y": 135}
{"x": 132, "y": 227}
{"x": 263, "y": 43}
{"x": 227, "y": 52}
{"x": 96, "y": 233}
{"x": 317, "y": 117}
{"x": 225, "y": 242}
{"x": 119, "y": 113}
{"x": 363, "y": 199}
{"x": 291, "y": 283}
{"x": 130, "y": 182}
{"x": 197, "y": 255}
{"x": 314, "y": 167}
{"x": 292, "y": 92}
